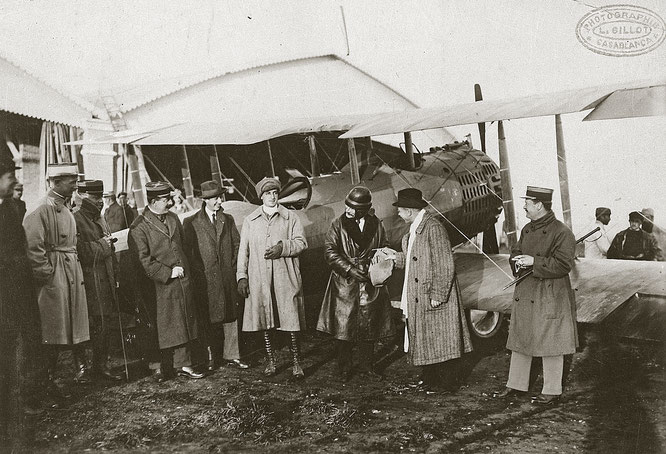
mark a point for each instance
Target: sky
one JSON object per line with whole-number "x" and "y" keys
{"x": 434, "y": 53}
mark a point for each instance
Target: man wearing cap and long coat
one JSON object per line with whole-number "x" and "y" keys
{"x": 156, "y": 237}
{"x": 51, "y": 234}
{"x": 543, "y": 315}
{"x": 211, "y": 242}
{"x": 98, "y": 261}
{"x": 596, "y": 246}
{"x": 268, "y": 273}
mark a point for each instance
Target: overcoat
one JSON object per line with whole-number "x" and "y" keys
{"x": 435, "y": 334}
{"x": 118, "y": 217}
{"x": 19, "y": 311}
{"x": 650, "y": 248}
{"x": 159, "y": 248}
{"x": 213, "y": 253}
{"x": 97, "y": 260}
{"x": 543, "y": 315}
{"x": 51, "y": 233}
{"x": 281, "y": 276}
{"x": 342, "y": 314}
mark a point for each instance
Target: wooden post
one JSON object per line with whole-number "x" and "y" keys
{"x": 215, "y": 171}
{"x": 135, "y": 176}
{"x": 188, "y": 187}
{"x": 353, "y": 162}
{"x": 314, "y": 159}
{"x": 270, "y": 156}
{"x": 507, "y": 188}
{"x": 409, "y": 150}
{"x": 562, "y": 172}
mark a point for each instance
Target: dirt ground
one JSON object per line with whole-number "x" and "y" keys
{"x": 614, "y": 402}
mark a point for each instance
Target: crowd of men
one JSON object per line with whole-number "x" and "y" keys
{"x": 199, "y": 277}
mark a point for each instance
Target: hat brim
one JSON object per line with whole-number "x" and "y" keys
{"x": 214, "y": 194}
{"x": 415, "y": 204}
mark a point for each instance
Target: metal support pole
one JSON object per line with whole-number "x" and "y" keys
{"x": 270, "y": 156}
{"x": 314, "y": 159}
{"x": 353, "y": 162}
{"x": 135, "y": 176}
{"x": 562, "y": 172}
{"x": 409, "y": 149}
{"x": 188, "y": 187}
{"x": 215, "y": 171}
{"x": 507, "y": 188}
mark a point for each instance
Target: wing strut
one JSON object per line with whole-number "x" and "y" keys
{"x": 562, "y": 172}
{"x": 507, "y": 188}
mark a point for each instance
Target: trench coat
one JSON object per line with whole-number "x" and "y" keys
{"x": 19, "y": 311}
{"x": 435, "y": 334}
{"x": 543, "y": 315}
{"x": 51, "y": 234}
{"x": 159, "y": 248}
{"x": 213, "y": 253}
{"x": 98, "y": 260}
{"x": 281, "y": 276}
{"x": 341, "y": 314}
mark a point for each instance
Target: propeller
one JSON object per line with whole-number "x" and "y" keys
{"x": 490, "y": 245}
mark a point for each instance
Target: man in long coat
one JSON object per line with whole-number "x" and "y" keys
{"x": 156, "y": 237}
{"x": 353, "y": 310}
{"x": 212, "y": 240}
{"x": 118, "y": 215}
{"x": 268, "y": 272}
{"x": 98, "y": 262}
{"x": 437, "y": 332}
{"x": 19, "y": 318}
{"x": 543, "y": 315}
{"x": 51, "y": 233}
{"x": 20, "y": 204}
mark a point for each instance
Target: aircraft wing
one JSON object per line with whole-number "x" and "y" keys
{"x": 624, "y": 100}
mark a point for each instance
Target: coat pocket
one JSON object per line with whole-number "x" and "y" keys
{"x": 551, "y": 305}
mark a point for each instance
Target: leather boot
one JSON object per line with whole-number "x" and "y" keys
{"x": 297, "y": 370}
{"x": 211, "y": 366}
{"x": 82, "y": 373}
{"x": 270, "y": 357}
{"x": 344, "y": 351}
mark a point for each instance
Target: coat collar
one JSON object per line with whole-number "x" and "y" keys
{"x": 152, "y": 219}
{"x": 426, "y": 217}
{"x": 203, "y": 221}
{"x": 282, "y": 211}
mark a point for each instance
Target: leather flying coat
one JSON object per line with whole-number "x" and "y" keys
{"x": 159, "y": 248}
{"x": 51, "y": 234}
{"x": 543, "y": 315}
{"x": 341, "y": 314}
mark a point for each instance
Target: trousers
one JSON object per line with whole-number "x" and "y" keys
{"x": 519, "y": 373}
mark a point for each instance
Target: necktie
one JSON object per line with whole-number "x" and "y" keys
{"x": 213, "y": 218}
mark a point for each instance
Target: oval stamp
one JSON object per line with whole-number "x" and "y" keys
{"x": 621, "y": 30}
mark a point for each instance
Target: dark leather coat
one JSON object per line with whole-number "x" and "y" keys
{"x": 342, "y": 314}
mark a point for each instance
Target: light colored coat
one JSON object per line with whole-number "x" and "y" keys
{"x": 282, "y": 276}
{"x": 435, "y": 334}
{"x": 543, "y": 316}
{"x": 159, "y": 248}
{"x": 51, "y": 234}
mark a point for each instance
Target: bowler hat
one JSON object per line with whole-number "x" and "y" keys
{"x": 267, "y": 184}
{"x": 210, "y": 189}
{"x": 7, "y": 165}
{"x": 539, "y": 194}
{"x": 410, "y": 198}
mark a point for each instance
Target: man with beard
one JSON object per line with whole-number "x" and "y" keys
{"x": 212, "y": 240}
{"x": 95, "y": 248}
{"x": 353, "y": 310}
{"x": 634, "y": 243}
{"x": 51, "y": 233}
{"x": 156, "y": 238}
{"x": 19, "y": 318}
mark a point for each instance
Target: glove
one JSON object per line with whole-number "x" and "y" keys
{"x": 177, "y": 272}
{"x": 358, "y": 275}
{"x": 273, "y": 252}
{"x": 243, "y": 288}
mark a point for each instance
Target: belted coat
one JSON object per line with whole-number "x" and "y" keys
{"x": 435, "y": 334}
{"x": 280, "y": 277}
{"x": 342, "y": 314}
{"x": 213, "y": 253}
{"x": 98, "y": 260}
{"x": 159, "y": 248}
{"x": 51, "y": 234}
{"x": 543, "y": 315}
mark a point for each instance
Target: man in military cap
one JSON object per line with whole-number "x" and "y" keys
{"x": 268, "y": 272}
{"x": 51, "y": 234}
{"x": 543, "y": 315}
{"x": 634, "y": 243}
{"x": 596, "y": 246}
{"x": 212, "y": 240}
{"x": 19, "y": 317}
{"x": 353, "y": 310}
{"x": 156, "y": 237}
{"x": 96, "y": 254}
{"x": 20, "y": 204}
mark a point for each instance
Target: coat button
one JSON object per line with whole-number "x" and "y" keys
{"x": 416, "y": 279}
{"x": 538, "y": 254}
{"x": 414, "y": 258}
{"x": 66, "y": 259}
{"x": 516, "y": 299}
{"x": 532, "y": 301}
{"x": 544, "y": 232}
{"x": 416, "y": 300}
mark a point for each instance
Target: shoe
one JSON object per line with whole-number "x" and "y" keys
{"x": 188, "y": 372}
{"x": 507, "y": 392}
{"x": 269, "y": 371}
{"x": 211, "y": 366}
{"x": 82, "y": 376}
{"x": 106, "y": 374}
{"x": 238, "y": 364}
{"x": 297, "y": 371}
{"x": 546, "y": 399}
{"x": 158, "y": 376}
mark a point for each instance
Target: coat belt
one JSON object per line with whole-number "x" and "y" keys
{"x": 66, "y": 250}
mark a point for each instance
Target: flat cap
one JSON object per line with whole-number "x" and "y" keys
{"x": 636, "y": 216}
{"x": 267, "y": 184}
{"x": 600, "y": 211}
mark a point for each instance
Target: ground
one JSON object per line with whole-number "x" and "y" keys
{"x": 614, "y": 402}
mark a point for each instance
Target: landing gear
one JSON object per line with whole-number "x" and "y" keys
{"x": 489, "y": 330}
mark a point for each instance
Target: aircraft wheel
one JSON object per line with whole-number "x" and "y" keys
{"x": 489, "y": 329}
